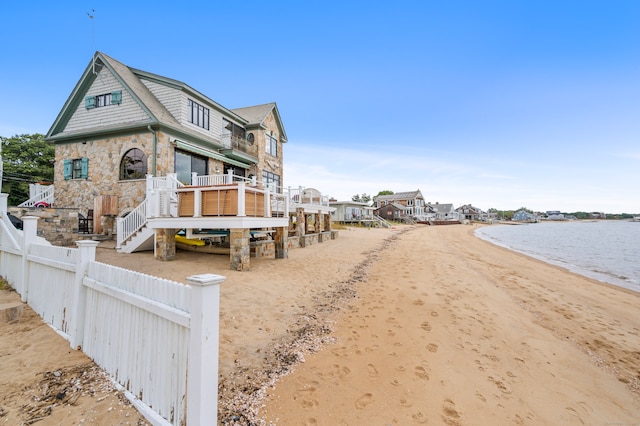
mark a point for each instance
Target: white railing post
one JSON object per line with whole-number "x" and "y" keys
{"x": 229, "y": 177}
{"x": 197, "y": 202}
{"x": 86, "y": 254}
{"x": 30, "y": 230}
{"x": 194, "y": 178}
{"x": 254, "y": 180}
{"x": 119, "y": 232}
{"x": 202, "y": 379}
{"x": 267, "y": 202}
{"x": 4, "y": 203}
{"x": 241, "y": 199}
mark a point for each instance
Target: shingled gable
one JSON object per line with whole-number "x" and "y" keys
{"x": 256, "y": 115}
{"x": 131, "y": 80}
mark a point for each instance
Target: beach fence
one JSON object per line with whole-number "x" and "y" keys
{"x": 156, "y": 338}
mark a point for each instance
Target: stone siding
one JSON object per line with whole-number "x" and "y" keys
{"x": 263, "y": 249}
{"x": 58, "y": 226}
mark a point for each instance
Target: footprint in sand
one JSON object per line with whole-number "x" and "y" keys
{"x": 421, "y": 372}
{"x": 432, "y": 347}
{"x": 449, "y": 413}
{"x": 418, "y": 302}
{"x": 419, "y": 418}
{"x": 308, "y": 404}
{"x": 373, "y": 371}
{"x": 363, "y": 401}
{"x": 425, "y": 326}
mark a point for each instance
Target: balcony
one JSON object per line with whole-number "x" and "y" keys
{"x": 238, "y": 148}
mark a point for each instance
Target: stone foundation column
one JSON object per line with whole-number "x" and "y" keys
{"x": 240, "y": 254}
{"x": 327, "y": 222}
{"x": 301, "y": 222}
{"x": 165, "y": 244}
{"x": 281, "y": 242}
{"x": 317, "y": 222}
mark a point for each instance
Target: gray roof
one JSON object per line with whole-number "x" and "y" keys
{"x": 157, "y": 113}
{"x": 441, "y": 208}
{"x": 410, "y": 195}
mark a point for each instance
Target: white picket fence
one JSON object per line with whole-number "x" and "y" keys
{"x": 147, "y": 333}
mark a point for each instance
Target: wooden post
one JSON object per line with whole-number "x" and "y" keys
{"x": 202, "y": 377}
{"x": 86, "y": 254}
{"x": 30, "y": 230}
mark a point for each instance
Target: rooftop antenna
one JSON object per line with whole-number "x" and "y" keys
{"x": 93, "y": 37}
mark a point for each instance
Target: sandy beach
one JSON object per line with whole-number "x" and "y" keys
{"x": 413, "y": 325}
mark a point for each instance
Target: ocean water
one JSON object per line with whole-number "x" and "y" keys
{"x": 608, "y": 251}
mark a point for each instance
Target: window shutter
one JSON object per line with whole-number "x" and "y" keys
{"x": 89, "y": 102}
{"x": 67, "y": 169}
{"x": 85, "y": 168}
{"x": 116, "y": 97}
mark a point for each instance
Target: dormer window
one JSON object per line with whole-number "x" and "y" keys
{"x": 113, "y": 98}
{"x": 198, "y": 114}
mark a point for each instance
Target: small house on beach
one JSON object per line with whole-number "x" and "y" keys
{"x": 352, "y": 212}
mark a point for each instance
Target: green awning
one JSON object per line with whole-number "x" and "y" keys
{"x": 209, "y": 153}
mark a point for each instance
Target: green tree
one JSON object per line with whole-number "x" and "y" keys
{"x": 383, "y": 192}
{"x": 25, "y": 159}
{"x": 362, "y": 198}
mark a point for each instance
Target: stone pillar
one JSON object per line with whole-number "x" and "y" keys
{"x": 317, "y": 222}
{"x": 165, "y": 244}
{"x": 281, "y": 242}
{"x": 240, "y": 253}
{"x": 301, "y": 222}
{"x": 327, "y": 222}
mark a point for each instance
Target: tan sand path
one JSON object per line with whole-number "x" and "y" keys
{"x": 449, "y": 329}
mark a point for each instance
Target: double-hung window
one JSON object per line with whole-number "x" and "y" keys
{"x": 198, "y": 114}
{"x": 271, "y": 144}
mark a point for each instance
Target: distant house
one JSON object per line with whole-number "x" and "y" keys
{"x": 469, "y": 212}
{"x": 555, "y": 215}
{"x": 412, "y": 202}
{"x": 391, "y": 211}
{"x": 523, "y": 216}
{"x": 351, "y": 211}
{"x": 442, "y": 211}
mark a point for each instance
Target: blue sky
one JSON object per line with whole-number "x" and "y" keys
{"x": 498, "y": 104}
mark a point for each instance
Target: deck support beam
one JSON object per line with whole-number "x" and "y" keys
{"x": 240, "y": 253}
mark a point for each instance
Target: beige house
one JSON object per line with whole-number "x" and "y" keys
{"x": 121, "y": 124}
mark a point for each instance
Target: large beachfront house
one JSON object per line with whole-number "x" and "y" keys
{"x": 120, "y": 124}
{"x": 156, "y": 156}
{"x": 412, "y": 202}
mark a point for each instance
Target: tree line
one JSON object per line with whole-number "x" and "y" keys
{"x": 25, "y": 159}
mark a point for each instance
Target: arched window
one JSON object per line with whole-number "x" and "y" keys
{"x": 133, "y": 165}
